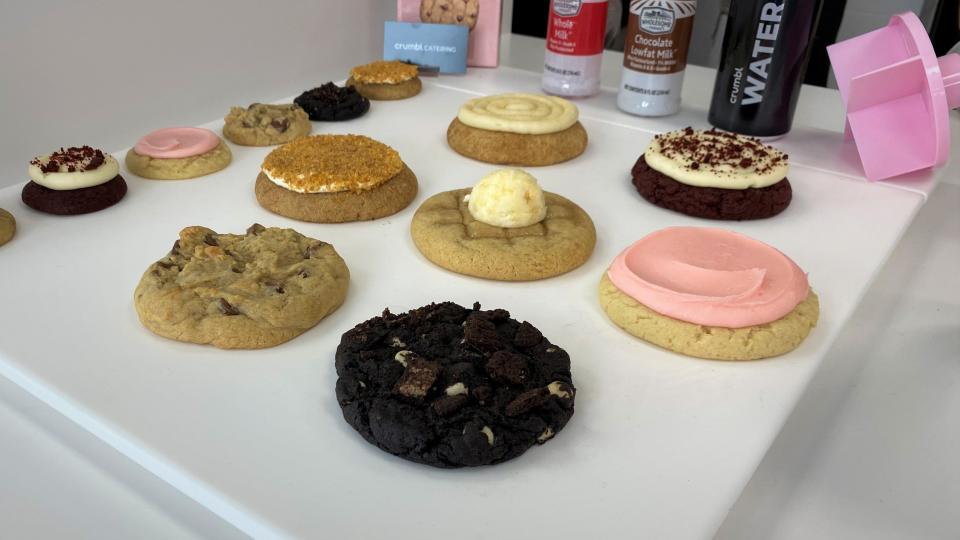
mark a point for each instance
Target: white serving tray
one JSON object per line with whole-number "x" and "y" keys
{"x": 660, "y": 446}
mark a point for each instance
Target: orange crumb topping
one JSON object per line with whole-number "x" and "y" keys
{"x": 331, "y": 163}
{"x": 383, "y": 72}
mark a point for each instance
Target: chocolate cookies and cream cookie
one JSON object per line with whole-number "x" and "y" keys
{"x": 504, "y": 228}
{"x": 713, "y": 174}
{"x": 332, "y": 103}
{"x": 518, "y": 129}
{"x": 335, "y": 178}
{"x": 262, "y": 124}
{"x": 385, "y": 80}
{"x": 75, "y": 180}
{"x": 450, "y": 386}
{"x": 178, "y": 153}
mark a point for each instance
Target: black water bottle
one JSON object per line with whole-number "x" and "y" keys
{"x": 766, "y": 46}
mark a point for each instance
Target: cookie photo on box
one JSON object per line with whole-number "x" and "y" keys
{"x": 518, "y": 129}
{"x": 450, "y": 387}
{"x": 713, "y": 174}
{"x": 385, "y": 80}
{"x": 241, "y": 291}
{"x": 177, "y": 154}
{"x": 262, "y": 124}
{"x": 72, "y": 181}
{"x": 710, "y": 293}
{"x": 504, "y": 228}
{"x": 335, "y": 179}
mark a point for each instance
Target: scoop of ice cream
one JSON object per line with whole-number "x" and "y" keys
{"x": 507, "y": 198}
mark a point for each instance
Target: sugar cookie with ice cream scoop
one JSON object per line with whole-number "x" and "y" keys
{"x": 504, "y": 228}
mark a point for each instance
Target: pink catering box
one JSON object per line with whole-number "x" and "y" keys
{"x": 482, "y": 17}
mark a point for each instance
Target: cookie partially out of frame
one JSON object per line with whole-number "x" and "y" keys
{"x": 449, "y": 236}
{"x": 8, "y": 226}
{"x": 241, "y": 291}
{"x": 505, "y": 148}
{"x": 451, "y": 387}
{"x": 715, "y": 343}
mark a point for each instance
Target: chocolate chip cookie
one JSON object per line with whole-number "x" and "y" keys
{"x": 263, "y": 124}
{"x": 332, "y": 103}
{"x": 241, "y": 291}
{"x": 462, "y": 12}
{"x": 453, "y": 387}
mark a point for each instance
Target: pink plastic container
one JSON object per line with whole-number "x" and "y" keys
{"x": 898, "y": 96}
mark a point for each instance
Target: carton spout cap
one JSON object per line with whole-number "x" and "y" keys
{"x": 950, "y": 71}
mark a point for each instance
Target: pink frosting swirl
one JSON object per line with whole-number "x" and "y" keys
{"x": 711, "y": 277}
{"x": 178, "y": 142}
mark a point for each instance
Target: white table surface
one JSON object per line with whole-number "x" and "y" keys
{"x": 734, "y": 494}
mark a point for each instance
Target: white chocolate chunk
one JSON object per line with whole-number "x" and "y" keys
{"x": 402, "y": 356}
{"x": 489, "y": 433}
{"x": 556, "y": 389}
{"x": 456, "y": 389}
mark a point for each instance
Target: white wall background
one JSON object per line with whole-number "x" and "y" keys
{"x": 104, "y": 72}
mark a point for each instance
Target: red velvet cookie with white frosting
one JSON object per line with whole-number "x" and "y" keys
{"x": 75, "y": 180}
{"x": 710, "y": 293}
{"x": 178, "y": 153}
{"x": 714, "y": 175}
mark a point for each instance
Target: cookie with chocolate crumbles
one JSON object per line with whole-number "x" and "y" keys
{"x": 332, "y": 103}
{"x": 713, "y": 174}
{"x": 453, "y": 387}
{"x": 335, "y": 179}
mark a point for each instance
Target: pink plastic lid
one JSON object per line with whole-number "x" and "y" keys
{"x": 898, "y": 96}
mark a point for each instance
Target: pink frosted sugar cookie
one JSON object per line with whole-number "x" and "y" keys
{"x": 178, "y": 153}
{"x": 710, "y": 293}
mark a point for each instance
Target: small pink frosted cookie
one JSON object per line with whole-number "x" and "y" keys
{"x": 710, "y": 293}
{"x": 177, "y": 153}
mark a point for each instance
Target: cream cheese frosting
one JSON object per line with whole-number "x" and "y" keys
{"x": 76, "y": 172}
{"x": 714, "y": 158}
{"x": 711, "y": 277}
{"x": 177, "y": 142}
{"x": 529, "y": 114}
{"x": 507, "y": 198}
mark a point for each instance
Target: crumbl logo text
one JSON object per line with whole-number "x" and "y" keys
{"x": 428, "y": 47}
